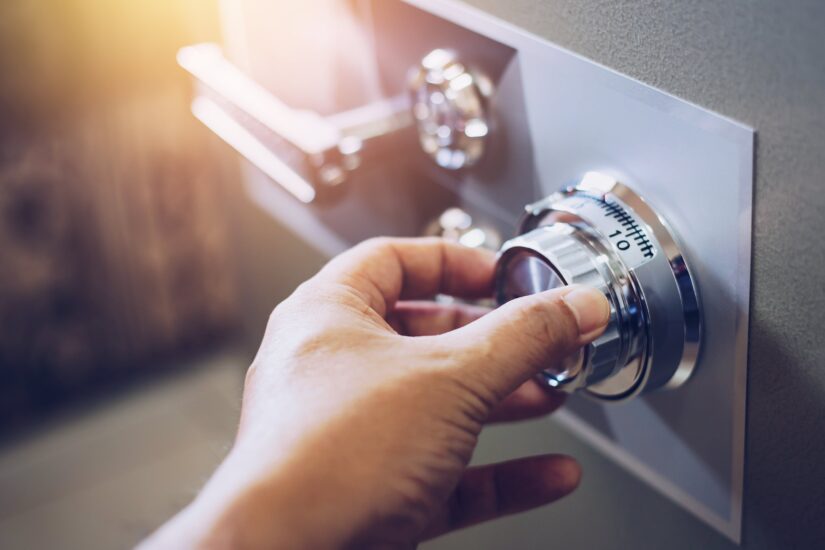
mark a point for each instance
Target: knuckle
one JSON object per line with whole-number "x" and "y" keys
{"x": 466, "y": 392}
{"x": 273, "y": 321}
{"x": 378, "y": 244}
{"x": 468, "y": 373}
{"x": 550, "y": 324}
{"x": 251, "y": 375}
{"x": 312, "y": 343}
{"x": 483, "y": 351}
{"x": 568, "y": 324}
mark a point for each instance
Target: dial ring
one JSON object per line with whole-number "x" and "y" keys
{"x": 571, "y": 252}
{"x": 656, "y": 274}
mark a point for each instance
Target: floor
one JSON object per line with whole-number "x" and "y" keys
{"x": 106, "y": 477}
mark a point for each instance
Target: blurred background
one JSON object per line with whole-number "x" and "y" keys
{"x": 114, "y": 236}
{"x": 122, "y": 347}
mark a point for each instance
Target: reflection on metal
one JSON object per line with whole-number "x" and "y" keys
{"x": 450, "y": 109}
{"x": 457, "y": 225}
{"x": 308, "y": 154}
{"x": 244, "y": 142}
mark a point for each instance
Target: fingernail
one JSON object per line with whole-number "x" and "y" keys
{"x": 590, "y": 306}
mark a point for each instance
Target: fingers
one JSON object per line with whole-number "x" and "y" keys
{"x": 495, "y": 490}
{"x": 530, "y": 400}
{"x": 430, "y": 318}
{"x": 385, "y": 270}
{"x": 505, "y": 348}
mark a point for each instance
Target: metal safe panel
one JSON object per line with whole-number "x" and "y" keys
{"x": 555, "y": 116}
{"x": 696, "y": 167}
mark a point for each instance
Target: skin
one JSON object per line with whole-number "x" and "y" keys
{"x": 364, "y": 403}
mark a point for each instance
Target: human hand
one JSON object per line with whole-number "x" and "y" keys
{"x": 362, "y": 407}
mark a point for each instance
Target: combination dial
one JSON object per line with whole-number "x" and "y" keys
{"x": 602, "y": 234}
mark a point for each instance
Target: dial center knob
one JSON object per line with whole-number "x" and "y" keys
{"x": 601, "y": 234}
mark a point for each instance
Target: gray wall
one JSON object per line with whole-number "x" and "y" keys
{"x": 763, "y": 63}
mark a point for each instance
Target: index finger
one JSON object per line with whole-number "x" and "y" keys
{"x": 384, "y": 270}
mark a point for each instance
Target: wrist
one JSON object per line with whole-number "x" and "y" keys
{"x": 228, "y": 513}
{"x": 189, "y": 528}
{"x": 303, "y": 502}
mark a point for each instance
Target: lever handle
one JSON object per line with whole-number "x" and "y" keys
{"x": 307, "y": 154}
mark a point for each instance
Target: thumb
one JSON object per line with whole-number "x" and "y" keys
{"x": 524, "y": 336}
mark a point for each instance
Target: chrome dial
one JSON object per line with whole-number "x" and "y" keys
{"x": 602, "y": 234}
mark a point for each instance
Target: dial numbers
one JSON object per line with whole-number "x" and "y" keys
{"x": 627, "y": 236}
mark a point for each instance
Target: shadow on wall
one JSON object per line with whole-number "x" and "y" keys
{"x": 784, "y": 489}
{"x": 113, "y": 240}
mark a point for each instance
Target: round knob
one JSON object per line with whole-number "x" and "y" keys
{"x": 601, "y": 234}
{"x": 449, "y": 106}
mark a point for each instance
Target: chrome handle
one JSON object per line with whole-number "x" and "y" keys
{"x": 306, "y": 153}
